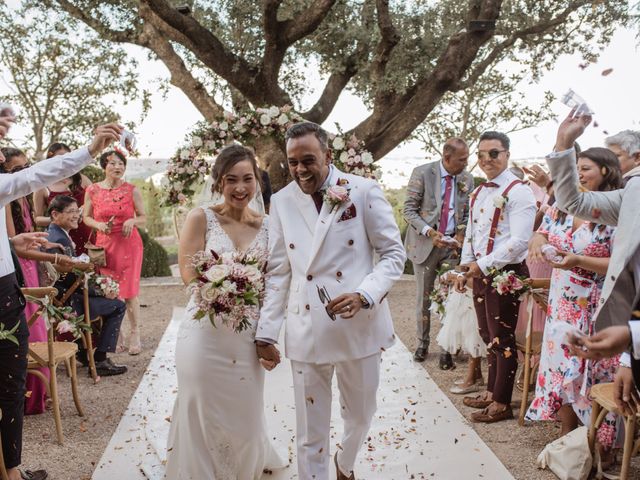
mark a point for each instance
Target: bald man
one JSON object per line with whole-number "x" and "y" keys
{"x": 436, "y": 208}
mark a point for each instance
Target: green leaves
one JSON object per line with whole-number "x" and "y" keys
{"x": 9, "y": 334}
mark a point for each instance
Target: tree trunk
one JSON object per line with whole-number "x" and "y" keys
{"x": 272, "y": 158}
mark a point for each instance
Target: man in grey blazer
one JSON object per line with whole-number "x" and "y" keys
{"x": 436, "y": 208}
{"x": 617, "y": 321}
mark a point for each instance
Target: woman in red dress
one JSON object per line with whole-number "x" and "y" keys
{"x": 114, "y": 208}
{"x": 74, "y": 187}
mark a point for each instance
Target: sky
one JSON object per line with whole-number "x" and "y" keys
{"x": 613, "y": 98}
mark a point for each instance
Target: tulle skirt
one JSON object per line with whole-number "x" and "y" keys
{"x": 460, "y": 325}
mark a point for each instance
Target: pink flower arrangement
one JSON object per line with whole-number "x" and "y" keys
{"x": 337, "y": 194}
{"x": 229, "y": 287}
{"x": 107, "y": 286}
{"x": 508, "y": 283}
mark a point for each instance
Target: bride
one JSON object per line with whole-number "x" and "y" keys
{"x": 218, "y": 427}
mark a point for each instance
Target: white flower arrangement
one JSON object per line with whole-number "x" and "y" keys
{"x": 192, "y": 164}
{"x": 499, "y": 201}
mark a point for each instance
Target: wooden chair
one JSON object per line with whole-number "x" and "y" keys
{"x": 3, "y": 469}
{"x": 87, "y": 341}
{"x": 530, "y": 342}
{"x": 603, "y": 403}
{"x": 49, "y": 355}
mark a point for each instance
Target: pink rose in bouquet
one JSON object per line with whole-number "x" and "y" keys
{"x": 229, "y": 287}
{"x": 507, "y": 283}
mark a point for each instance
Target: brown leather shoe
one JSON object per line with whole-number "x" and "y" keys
{"x": 476, "y": 402}
{"x": 339, "y": 474}
{"x": 485, "y": 417}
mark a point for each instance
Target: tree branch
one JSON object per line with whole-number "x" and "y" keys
{"x": 336, "y": 83}
{"x": 119, "y": 36}
{"x": 499, "y": 49}
{"x": 306, "y": 22}
{"x": 181, "y": 77}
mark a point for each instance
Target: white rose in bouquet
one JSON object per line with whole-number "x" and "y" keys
{"x": 274, "y": 111}
{"x": 344, "y": 157}
{"x": 265, "y": 119}
{"x": 283, "y": 119}
{"x": 252, "y": 273}
{"x": 228, "y": 287}
{"x": 196, "y": 142}
{"x": 224, "y": 126}
{"x": 338, "y": 143}
{"x": 367, "y": 158}
{"x": 217, "y": 273}
{"x": 209, "y": 293}
{"x": 184, "y": 154}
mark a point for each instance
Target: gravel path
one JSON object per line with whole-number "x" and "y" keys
{"x": 104, "y": 403}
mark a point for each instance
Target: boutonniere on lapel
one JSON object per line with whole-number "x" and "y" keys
{"x": 462, "y": 187}
{"x": 499, "y": 201}
{"x": 337, "y": 194}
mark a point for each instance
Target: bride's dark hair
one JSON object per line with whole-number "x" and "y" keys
{"x": 228, "y": 157}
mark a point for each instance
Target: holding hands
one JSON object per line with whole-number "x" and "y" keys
{"x": 268, "y": 355}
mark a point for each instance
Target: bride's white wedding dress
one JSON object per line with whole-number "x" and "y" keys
{"x": 218, "y": 429}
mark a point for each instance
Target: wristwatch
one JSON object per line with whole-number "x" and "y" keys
{"x": 364, "y": 301}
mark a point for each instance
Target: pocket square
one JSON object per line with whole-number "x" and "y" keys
{"x": 348, "y": 214}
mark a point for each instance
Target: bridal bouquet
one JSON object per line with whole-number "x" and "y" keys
{"x": 107, "y": 286}
{"x": 228, "y": 287}
{"x": 508, "y": 283}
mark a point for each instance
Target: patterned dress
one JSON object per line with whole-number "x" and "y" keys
{"x": 124, "y": 254}
{"x": 573, "y": 297}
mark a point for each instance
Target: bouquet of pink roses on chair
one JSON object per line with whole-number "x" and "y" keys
{"x": 229, "y": 287}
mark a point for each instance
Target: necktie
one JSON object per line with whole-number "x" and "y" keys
{"x": 444, "y": 214}
{"x": 490, "y": 185}
{"x": 317, "y": 199}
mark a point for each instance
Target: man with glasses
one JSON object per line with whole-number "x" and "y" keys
{"x": 65, "y": 216}
{"x": 501, "y": 217}
{"x": 436, "y": 211}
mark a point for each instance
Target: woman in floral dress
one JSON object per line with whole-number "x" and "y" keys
{"x": 564, "y": 381}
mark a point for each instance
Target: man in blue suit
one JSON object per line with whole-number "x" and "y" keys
{"x": 65, "y": 216}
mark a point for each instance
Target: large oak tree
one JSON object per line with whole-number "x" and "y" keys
{"x": 401, "y": 57}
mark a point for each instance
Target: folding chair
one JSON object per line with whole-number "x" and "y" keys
{"x": 87, "y": 341}
{"x": 603, "y": 402}
{"x": 529, "y": 342}
{"x": 49, "y": 355}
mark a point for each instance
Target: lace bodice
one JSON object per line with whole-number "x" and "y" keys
{"x": 218, "y": 240}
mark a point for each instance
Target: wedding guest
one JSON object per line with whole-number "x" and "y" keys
{"x": 501, "y": 216}
{"x": 460, "y": 332}
{"x": 73, "y": 186}
{"x": 65, "y": 216}
{"x": 19, "y": 219}
{"x": 626, "y": 146}
{"x": 583, "y": 249}
{"x": 616, "y": 318}
{"x": 435, "y": 208}
{"x": 114, "y": 208}
{"x": 13, "y": 358}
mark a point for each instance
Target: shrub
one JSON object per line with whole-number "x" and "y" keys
{"x": 155, "y": 262}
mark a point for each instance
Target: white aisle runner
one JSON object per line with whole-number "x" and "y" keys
{"x": 417, "y": 432}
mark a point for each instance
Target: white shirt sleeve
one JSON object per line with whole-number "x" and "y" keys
{"x": 41, "y": 174}
{"x": 634, "y": 326}
{"x": 425, "y": 230}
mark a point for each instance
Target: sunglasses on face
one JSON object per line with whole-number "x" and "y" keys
{"x": 492, "y": 154}
{"x": 325, "y": 299}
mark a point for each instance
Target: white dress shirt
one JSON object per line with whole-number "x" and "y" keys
{"x": 515, "y": 226}
{"x": 451, "y": 222}
{"x": 24, "y": 182}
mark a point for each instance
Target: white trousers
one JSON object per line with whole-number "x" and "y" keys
{"x": 358, "y": 384}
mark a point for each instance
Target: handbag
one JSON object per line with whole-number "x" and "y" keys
{"x": 569, "y": 456}
{"x": 97, "y": 255}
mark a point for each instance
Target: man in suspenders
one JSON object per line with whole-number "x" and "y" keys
{"x": 501, "y": 216}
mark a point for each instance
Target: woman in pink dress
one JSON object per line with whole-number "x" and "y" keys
{"x": 74, "y": 187}
{"x": 20, "y": 220}
{"x": 114, "y": 208}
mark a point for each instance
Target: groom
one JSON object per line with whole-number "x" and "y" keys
{"x": 324, "y": 230}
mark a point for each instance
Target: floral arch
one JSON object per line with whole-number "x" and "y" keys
{"x": 192, "y": 163}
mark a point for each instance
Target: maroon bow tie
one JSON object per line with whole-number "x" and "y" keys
{"x": 490, "y": 185}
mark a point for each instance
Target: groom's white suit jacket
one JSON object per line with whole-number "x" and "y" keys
{"x": 310, "y": 250}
